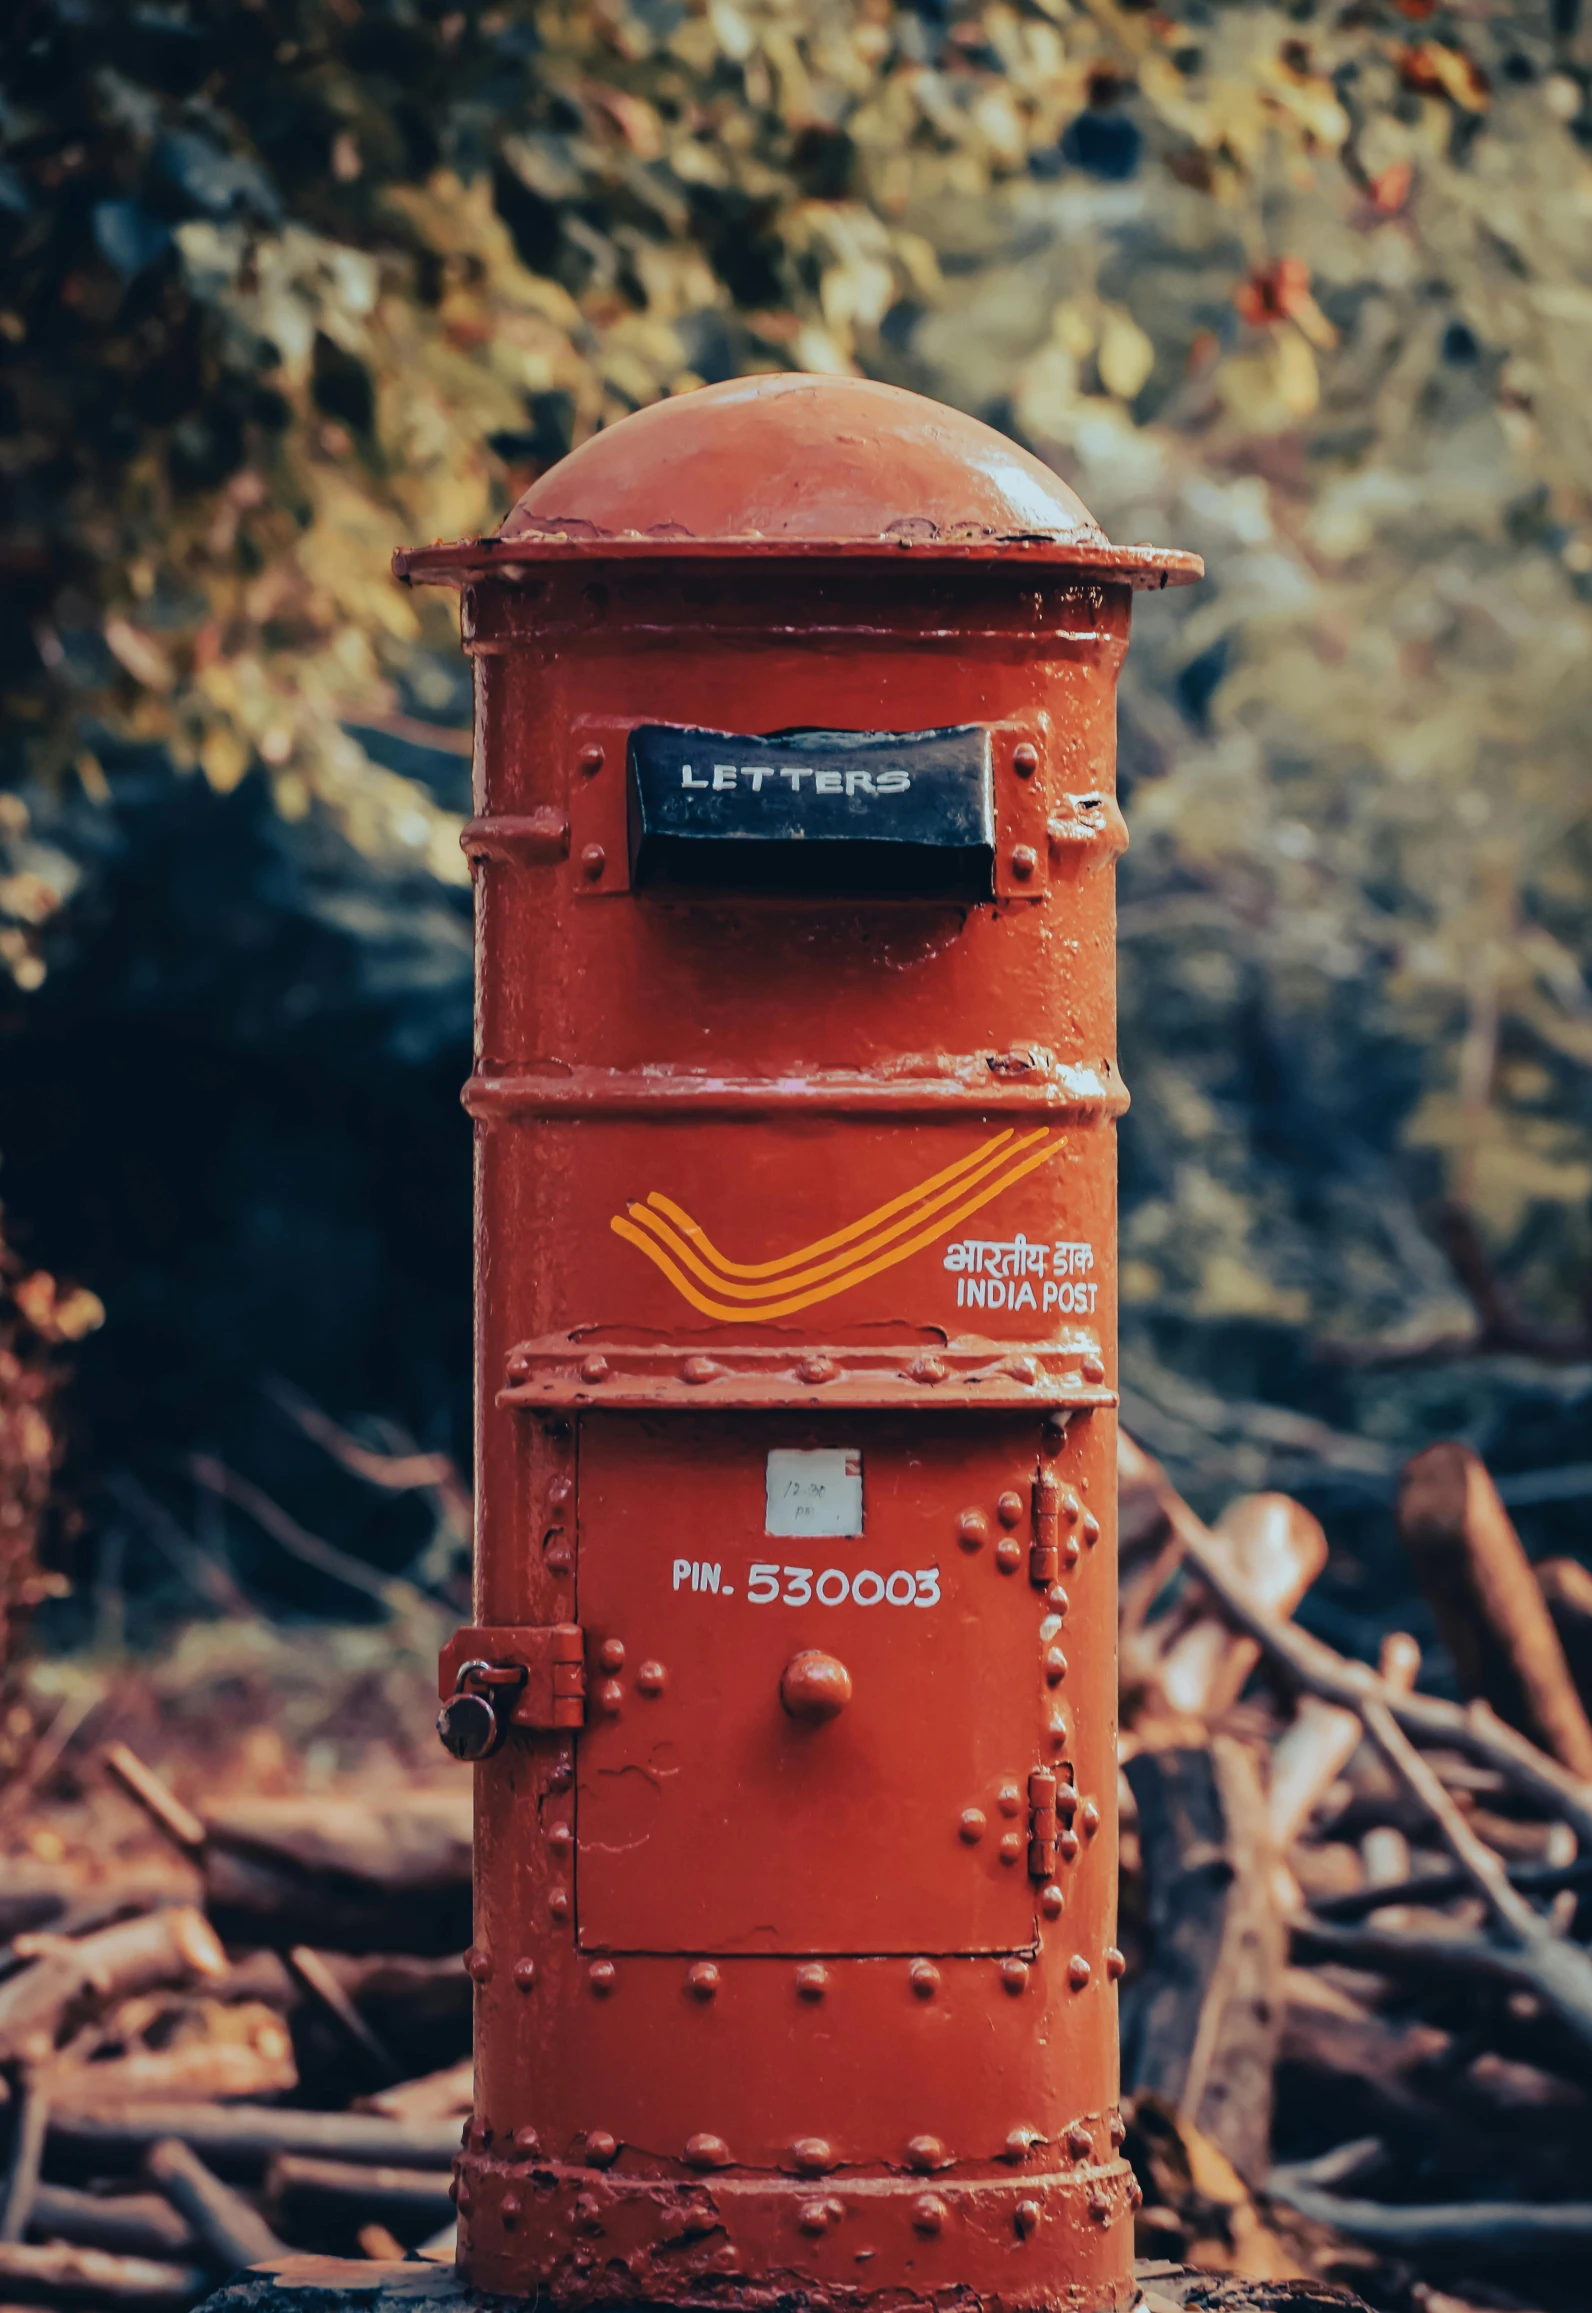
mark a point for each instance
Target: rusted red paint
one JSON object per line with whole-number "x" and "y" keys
{"x": 817, "y": 1902}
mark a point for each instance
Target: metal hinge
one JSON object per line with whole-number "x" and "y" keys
{"x": 1052, "y": 1804}
{"x": 552, "y": 1657}
{"x": 1042, "y": 1827}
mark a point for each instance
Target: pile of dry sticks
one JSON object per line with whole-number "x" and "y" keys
{"x": 1357, "y": 2027}
{"x": 174, "y": 2036}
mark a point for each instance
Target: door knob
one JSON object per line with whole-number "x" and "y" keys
{"x": 815, "y": 1686}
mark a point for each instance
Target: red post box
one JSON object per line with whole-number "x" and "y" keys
{"x": 792, "y": 1680}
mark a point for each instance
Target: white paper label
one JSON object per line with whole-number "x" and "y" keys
{"x": 816, "y": 1491}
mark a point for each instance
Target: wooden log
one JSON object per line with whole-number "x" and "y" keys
{"x": 134, "y": 2224}
{"x": 1275, "y": 1549}
{"x": 230, "y": 2233}
{"x": 57, "y": 2272}
{"x": 299, "y": 2190}
{"x": 27, "y": 2152}
{"x": 1201, "y": 2025}
{"x": 341, "y": 1875}
{"x": 67, "y": 1980}
{"x": 245, "y": 2137}
{"x": 161, "y": 1804}
{"x": 317, "y": 1978}
{"x": 1567, "y": 1586}
{"x": 1484, "y": 1598}
{"x": 1500, "y": 2228}
{"x": 445, "y": 2095}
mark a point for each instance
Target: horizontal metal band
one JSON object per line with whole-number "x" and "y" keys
{"x": 571, "y": 1371}
{"x": 1059, "y": 1091}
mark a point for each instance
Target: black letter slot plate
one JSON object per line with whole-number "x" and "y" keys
{"x": 903, "y": 814}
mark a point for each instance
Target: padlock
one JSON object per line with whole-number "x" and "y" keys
{"x": 468, "y": 1722}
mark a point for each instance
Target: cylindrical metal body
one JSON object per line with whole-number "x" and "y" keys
{"x": 795, "y": 1870}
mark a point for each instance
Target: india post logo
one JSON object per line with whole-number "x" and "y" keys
{"x": 747, "y": 1292}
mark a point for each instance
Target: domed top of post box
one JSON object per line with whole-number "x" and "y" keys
{"x": 795, "y": 465}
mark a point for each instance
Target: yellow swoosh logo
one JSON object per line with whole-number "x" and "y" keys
{"x": 892, "y": 1233}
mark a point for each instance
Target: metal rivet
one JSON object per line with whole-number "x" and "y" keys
{"x": 924, "y": 1978}
{"x": 525, "y": 1974}
{"x": 812, "y": 1982}
{"x": 464, "y": 2197}
{"x": 478, "y": 1965}
{"x": 1008, "y": 1554}
{"x": 560, "y": 1490}
{"x": 611, "y": 1654}
{"x": 972, "y": 1529}
{"x": 816, "y": 1369}
{"x": 929, "y": 1369}
{"x": 519, "y": 1368}
{"x": 1100, "y": 2208}
{"x": 1117, "y": 2130}
{"x": 813, "y": 2217}
{"x": 1024, "y": 861}
{"x": 1116, "y": 1965}
{"x": 562, "y": 1773}
{"x": 1091, "y": 1527}
{"x": 609, "y": 1696}
{"x": 1055, "y": 1665}
{"x": 559, "y": 1557}
{"x": 970, "y": 1825}
{"x": 1009, "y": 1508}
{"x": 1078, "y": 1971}
{"x": 1013, "y": 1846}
{"x": 1027, "y": 2215}
{"x": 1009, "y": 1799}
{"x": 1022, "y": 1369}
{"x": 706, "y": 2151}
{"x": 509, "y": 2210}
{"x": 1071, "y": 1550}
{"x": 1093, "y": 1370}
{"x": 727, "y": 2258}
{"x": 929, "y": 2213}
{"x": 1025, "y": 759}
{"x": 836, "y": 2210}
{"x": 558, "y": 1902}
{"x": 1056, "y": 1599}
{"x": 591, "y": 759}
{"x": 601, "y": 2148}
{"x": 1089, "y": 1817}
{"x": 602, "y": 1975}
{"x": 1021, "y": 2141}
{"x": 560, "y": 1835}
{"x": 651, "y": 1678}
{"x": 1135, "y": 2193}
{"x": 1014, "y": 1975}
{"x": 1070, "y": 1507}
{"x": 812, "y": 2155}
{"x": 455, "y": 2187}
{"x": 700, "y": 1369}
{"x": 926, "y": 2152}
{"x": 592, "y": 862}
{"x": 526, "y": 2143}
{"x": 1067, "y": 1846}
{"x": 595, "y": 1367}
{"x": 1080, "y": 2144}
{"x": 703, "y": 1978}
{"x": 587, "y": 2213}
{"x": 1051, "y": 1900}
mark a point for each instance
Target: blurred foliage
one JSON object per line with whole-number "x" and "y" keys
{"x": 1307, "y": 289}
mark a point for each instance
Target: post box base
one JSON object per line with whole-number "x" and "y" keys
{"x": 1031, "y": 2242}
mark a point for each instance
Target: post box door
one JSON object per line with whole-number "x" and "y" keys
{"x": 711, "y": 1820}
